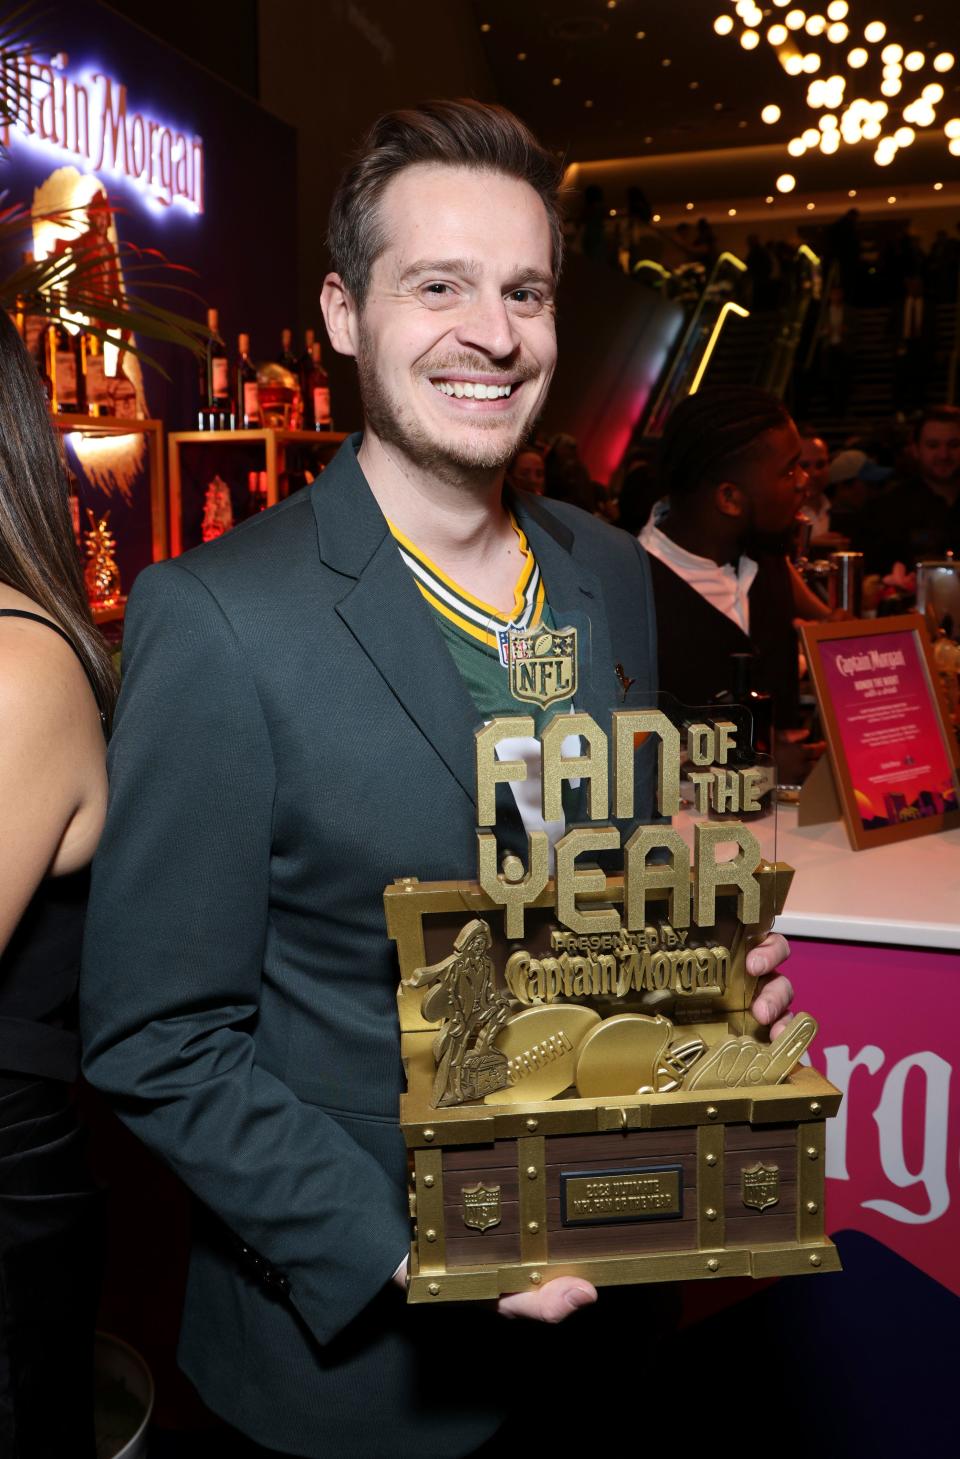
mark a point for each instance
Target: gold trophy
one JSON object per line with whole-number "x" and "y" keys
{"x": 588, "y": 1092}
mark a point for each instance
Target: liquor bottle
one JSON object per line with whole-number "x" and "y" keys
{"x": 94, "y": 375}
{"x": 319, "y": 392}
{"x": 304, "y": 366}
{"x": 248, "y": 400}
{"x": 31, "y": 327}
{"x": 757, "y": 701}
{"x": 287, "y": 358}
{"x": 63, "y": 369}
{"x": 214, "y": 378}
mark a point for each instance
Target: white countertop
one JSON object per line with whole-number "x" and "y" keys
{"x": 906, "y": 893}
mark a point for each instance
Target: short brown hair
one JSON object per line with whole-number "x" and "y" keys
{"x": 471, "y": 134}
{"x": 941, "y": 415}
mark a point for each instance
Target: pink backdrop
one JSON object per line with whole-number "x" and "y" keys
{"x": 890, "y": 1040}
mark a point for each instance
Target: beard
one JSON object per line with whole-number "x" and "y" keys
{"x": 490, "y": 445}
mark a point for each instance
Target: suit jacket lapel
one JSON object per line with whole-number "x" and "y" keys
{"x": 387, "y": 616}
{"x": 575, "y": 596}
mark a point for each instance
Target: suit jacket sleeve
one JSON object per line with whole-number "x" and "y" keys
{"x": 173, "y": 957}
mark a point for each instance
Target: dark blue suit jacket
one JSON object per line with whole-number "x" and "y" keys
{"x": 292, "y": 734}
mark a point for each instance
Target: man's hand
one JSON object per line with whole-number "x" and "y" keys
{"x": 551, "y": 1303}
{"x": 774, "y": 992}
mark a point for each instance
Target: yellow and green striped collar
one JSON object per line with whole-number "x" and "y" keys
{"x": 470, "y": 614}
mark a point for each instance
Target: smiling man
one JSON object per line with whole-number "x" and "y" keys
{"x": 295, "y": 730}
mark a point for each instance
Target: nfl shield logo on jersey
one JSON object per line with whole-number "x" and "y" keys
{"x": 543, "y": 664}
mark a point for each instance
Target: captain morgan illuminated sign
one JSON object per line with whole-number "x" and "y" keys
{"x": 88, "y": 115}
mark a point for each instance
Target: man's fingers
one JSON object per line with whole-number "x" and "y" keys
{"x": 768, "y": 954}
{"x": 774, "y": 996}
{"x": 552, "y": 1303}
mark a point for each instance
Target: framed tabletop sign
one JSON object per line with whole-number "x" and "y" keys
{"x": 893, "y": 751}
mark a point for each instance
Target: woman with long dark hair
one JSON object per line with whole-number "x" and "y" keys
{"x": 57, "y": 691}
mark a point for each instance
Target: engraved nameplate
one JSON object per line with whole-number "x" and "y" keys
{"x": 642, "y": 1193}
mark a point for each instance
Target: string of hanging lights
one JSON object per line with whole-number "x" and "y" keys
{"x": 889, "y": 121}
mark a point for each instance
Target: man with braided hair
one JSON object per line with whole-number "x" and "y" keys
{"x": 730, "y": 474}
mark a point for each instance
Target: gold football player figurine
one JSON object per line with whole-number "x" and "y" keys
{"x": 463, "y": 994}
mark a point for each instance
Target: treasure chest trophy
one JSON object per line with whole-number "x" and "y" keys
{"x": 588, "y": 1093}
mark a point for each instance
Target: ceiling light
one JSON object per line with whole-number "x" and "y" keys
{"x": 913, "y": 60}
{"x": 588, "y": 103}
{"x": 777, "y": 34}
{"x": 938, "y": 187}
{"x": 892, "y": 52}
{"x": 879, "y": 109}
{"x": 795, "y": 19}
{"x": 904, "y": 136}
{"x": 871, "y": 131}
{"x": 810, "y": 207}
{"x": 485, "y": 26}
{"x": 891, "y": 87}
{"x": 830, "y": 143}
{"x": 852, "y": 193}
{"x": 770, "y": 199}
{"x": 731, "y": 212}
{"x": 667, "y": 61}
{"x": 753, "y": 17}
{"x": 816, "y": 24}
{"x": 933, "y": 92}
{"x": 837, "y": 10}
{"x": 952, "y": 128}
{"x": 557, "y": 81}
{"x": 892, "y": 71}
{"x": 770, "y": 114}
{"x": 828, "y": 123}
{"x": 793, "y": 64}
{"x": 749, "y": 40}
{"x": 811, "y": 62}
{"x": 521, "y": 55}
{"x": 891, "y": 200}
{"x": 838, "y": 32}
{"x": 656, "y": 217}
{"x": 796, "y": 146}
{"x": 723, "y": 24}
{"x": 786, "y": 182}
{"x": 689, "y": 207}
{"x": 923, "y": 114}
{"x": 943, "y": 62}
{"x": 816, "y": 94}
{"x": 954, "y": 147}
{"x": 875, "y": 31}
{"x": 858, "y": 57}
{"x": 811, "y": 137}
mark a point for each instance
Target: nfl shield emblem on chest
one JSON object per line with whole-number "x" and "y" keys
{"x": 760, "y": 1185}
{"x": 543, "y": 664}
{"x": 481, "y": 1205}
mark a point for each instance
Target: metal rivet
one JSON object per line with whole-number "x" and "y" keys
{"x": 711, "y": 1111}
{"x": 711, "y": 1159}
{"x": 713, "y": 1265}
{"x": 428, "y": 1180}
{"x": 710, "y": 1214}
{"x": 431, "y": 1235}
{"x": 536, "y": 1278}
{"x": 815, "y": 1260}
{"x": 434, "y": 1289}
{"x": 815, "y": 1106}
{"x": 428, "y": 1135}
{"x": 812, "y": 1207}
{"x": 533, "y": 1227}
{"x": 812, "y": 1152}
{"x": 531, "y": 1172}
{"x": 532, "y": 1124}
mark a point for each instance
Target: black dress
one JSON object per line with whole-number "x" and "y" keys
{"x": 50, "y": 1217}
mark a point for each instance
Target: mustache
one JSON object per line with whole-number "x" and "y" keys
{"x": 522, "y": 370}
